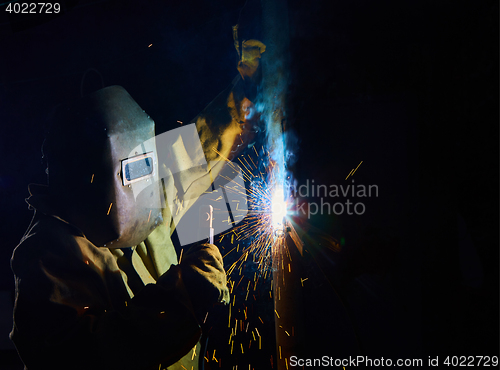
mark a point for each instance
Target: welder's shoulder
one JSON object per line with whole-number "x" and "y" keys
{"x": 48, "y": 240}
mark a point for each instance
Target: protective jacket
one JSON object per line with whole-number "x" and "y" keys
{"x": 83, "y": 307}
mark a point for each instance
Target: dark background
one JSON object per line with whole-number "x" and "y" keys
{"x": 408, "y": 87}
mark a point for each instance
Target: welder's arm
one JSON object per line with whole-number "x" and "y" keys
{"x": 64, "y": 318}
{"x": 230, "y": 121}
{"x": 226, "y": 126}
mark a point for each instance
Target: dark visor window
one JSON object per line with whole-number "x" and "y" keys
{"x": 139, "y": 168}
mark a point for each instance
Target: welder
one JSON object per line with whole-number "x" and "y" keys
{"x": 97, "y": 279}
{"x": 99, "y": 284}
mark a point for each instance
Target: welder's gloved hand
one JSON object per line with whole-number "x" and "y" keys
{"x": 204, "y": 276}
{"x": 249, "y": 58}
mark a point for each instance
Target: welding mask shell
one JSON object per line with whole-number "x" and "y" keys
{"x": 103, "y": 168}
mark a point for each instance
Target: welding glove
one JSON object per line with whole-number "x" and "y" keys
{"x": 247, "y": 34}
{"x": 204, "y": 277}
{"x": 249, "y": 58}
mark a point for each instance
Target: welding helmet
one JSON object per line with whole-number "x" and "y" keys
{"x": 103, "y": 169}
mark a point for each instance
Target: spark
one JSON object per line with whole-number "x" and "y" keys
{"x": 259, "y": 233}
{"x": 255, "y": 151}
{"x": 194, "y": 352}
{"x": 267, "y": 209}
{"x": 109, "y": 209}
{"x": 353, "y": 170}
{"x": 349, "y": 174}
